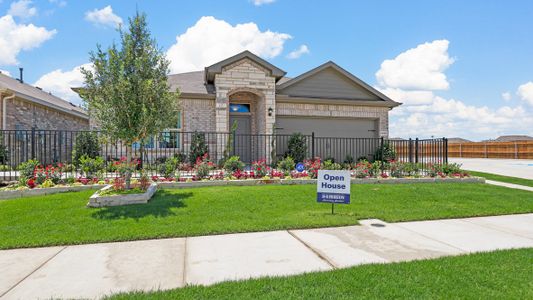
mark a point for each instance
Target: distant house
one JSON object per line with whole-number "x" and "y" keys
{"x": 513, "y": 138}
{"x": 24, "y": 107}
{"x": 458, "y": 140}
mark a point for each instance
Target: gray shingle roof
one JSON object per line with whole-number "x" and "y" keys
{"x": 194, "y": 83}
{"x": 31, "y": 93}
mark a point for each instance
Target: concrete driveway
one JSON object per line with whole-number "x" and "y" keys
{"x": 92, "y": 271}
{"x": 509, "y": 167}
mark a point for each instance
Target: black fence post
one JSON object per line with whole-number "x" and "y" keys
{"x": 416, "y": 150}
{"x": 313, "y": 145}
{"x": 445, "y": 141}
{"x": 381, "y": 142}
{"x": 32, "y": 143}
{"x": 410, "y": 150}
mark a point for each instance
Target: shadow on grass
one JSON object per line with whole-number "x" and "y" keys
{"x": 159, "y": 206}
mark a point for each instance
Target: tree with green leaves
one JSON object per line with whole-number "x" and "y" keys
{"x": 126, "y": 90}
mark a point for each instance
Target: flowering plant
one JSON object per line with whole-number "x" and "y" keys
{"x": 296, "y": 174}
{"x": 363, "y": 169}
{"x": 312, "y": 166}
{"x": 276, "y": 174}
{"x": 123, "y": 166}
{"x": 203, "y": 166}
{"x": 260, "y": 168}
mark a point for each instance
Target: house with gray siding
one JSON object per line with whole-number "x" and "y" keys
{"x": 327, "y": 100}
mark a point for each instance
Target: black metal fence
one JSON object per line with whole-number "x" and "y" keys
{"x": 53, "y": 147}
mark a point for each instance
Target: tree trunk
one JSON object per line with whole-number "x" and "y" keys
{"x": 129, "y": 150}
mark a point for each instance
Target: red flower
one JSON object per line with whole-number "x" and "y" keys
{"x": 31, "y": 183}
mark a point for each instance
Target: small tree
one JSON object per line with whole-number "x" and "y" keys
{"x": 127, "y": 92}
{"x": 198, "y": 146}
{"x": 297, "y": 147}
{"x": 229, "y": 143}
{"x": 86, "y": 144}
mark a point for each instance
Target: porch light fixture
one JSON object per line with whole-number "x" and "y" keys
{"x": 270, "y": 111}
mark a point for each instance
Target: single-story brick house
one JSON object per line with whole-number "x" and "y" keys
{"x": 327, "y": 100}
{"x": 25, "y": 107}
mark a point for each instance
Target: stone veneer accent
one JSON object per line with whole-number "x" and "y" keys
{"x": 245, "y": 76}
{"x": 337, "y": 110}
{"x": 29, "y": 115}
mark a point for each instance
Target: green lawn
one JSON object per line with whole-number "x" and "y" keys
{"x": 508, "y": 179}
{"x": 492, "y": 275}
{"x": 63, "y": 219}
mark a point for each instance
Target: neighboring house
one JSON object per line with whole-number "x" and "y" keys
{"x": 513, "y": 138}
{"x": 327, "y": 100}
{"x": 25, "y": 107}
{"x": 458, "y": 140}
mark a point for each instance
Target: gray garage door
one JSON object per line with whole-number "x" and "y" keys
{"x": 328, "y": 127}
{"x": 335, "y": 137}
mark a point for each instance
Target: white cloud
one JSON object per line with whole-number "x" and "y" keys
{"x": 420, "y": 68}
{"x": 506, "y": 96}
{"x": 19, "y": 37}
{"x": 22, "y": 9}
{"x": 5, "y": 72}
{"x": 525, "y": 91}
{"x": 303, "y": 49}
{"x": 411, "y": 79}
{"x": 60, "y": 3}
{"x": 60, "y": 82}
{"x": 211, "y": 40}
{"x": 103, "y": 17}
{"x": 261, "y": 2}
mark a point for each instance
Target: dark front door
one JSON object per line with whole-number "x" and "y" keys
{"x": 242, "y": 145}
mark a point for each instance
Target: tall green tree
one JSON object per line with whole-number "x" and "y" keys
{"x": 126, "y": 90}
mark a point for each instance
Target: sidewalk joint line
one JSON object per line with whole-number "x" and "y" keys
{"x": 32, "y": 272}
{"x": 331, "y": 264}
{"x": 495, "y": 227}
{"x": 428, "y": 237}
{"x": 184, "y": 275}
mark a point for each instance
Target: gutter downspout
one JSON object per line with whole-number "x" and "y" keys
{"x": 4, "y": 107}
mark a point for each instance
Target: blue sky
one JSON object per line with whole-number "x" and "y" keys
{"x": 471, "y": 79}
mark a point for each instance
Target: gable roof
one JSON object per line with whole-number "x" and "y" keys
{"x": 343, "y": 72}
{"x": 217, "y": 68}
{"x": 36, "y": 95}
{"x": 190, "y": 83}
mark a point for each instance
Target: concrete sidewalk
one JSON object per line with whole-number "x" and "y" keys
{"x": 92, "y": 271}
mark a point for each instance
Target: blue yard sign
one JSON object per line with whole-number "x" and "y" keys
{"x": 333, "y": 187}
{"x": 300, "y": 167}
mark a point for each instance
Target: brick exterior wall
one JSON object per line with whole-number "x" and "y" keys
{"x": 333, "y": 110}
{"x": 28, "y": 115}
{"x": 198, "y": 114}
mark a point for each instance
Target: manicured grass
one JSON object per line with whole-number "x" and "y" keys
{"x": 492, "y": 275}
{"x": 62, "y": 219}
{"x": 508, "y": 179}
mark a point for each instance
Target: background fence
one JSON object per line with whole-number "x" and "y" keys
{"x": 53, "y": 147}
{"x": 514, "y": 150}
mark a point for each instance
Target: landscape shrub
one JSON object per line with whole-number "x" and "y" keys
{"x": 86, "y": 144}
{"x": 202, "y": 167}
{"x": 41, "y": 174}
{"x": 386, "y": 154}
{"x": 331, "y": 165}
{"x": 233, "y": 164}
{"x": 26, "y": 169}
{"x": 4, "y": 152}
{"x": 123, "y": 166}
{"x": 198, "y": 147}
{"x": 363, "y": 169}
{"x": 91, "y": 166}
{"x": 348, "y": 160}
{"x": 169, "y": 167}
{"x": 297, "y": 147}
{"x": 286, "y": 165}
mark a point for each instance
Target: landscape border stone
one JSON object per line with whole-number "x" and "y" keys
{"x": 13, "y": 194}
{"x": 96, "y": 200}
{"x": 251, "y": 182}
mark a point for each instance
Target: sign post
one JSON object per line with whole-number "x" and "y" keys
{"x": 333, "y": 187}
